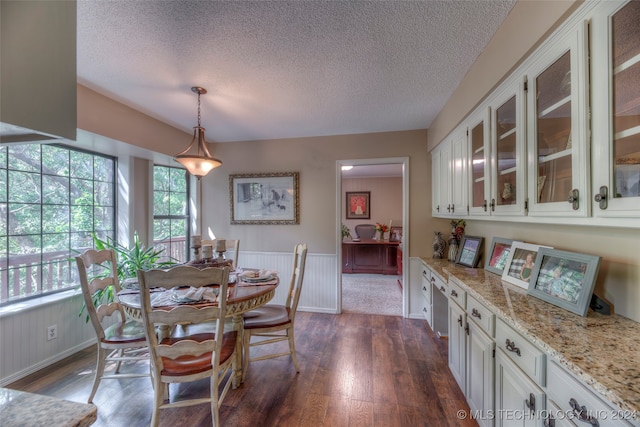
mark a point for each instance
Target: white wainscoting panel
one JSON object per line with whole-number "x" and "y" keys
{"x": 319, "y": 289}
{"x": 24, "y": 348}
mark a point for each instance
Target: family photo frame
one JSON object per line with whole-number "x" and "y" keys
{"x": 469, "y": 251}
{"x": 498, "y": 255}
{"x": 565, "y": 279}
{"x": 358, "y": 205}
{"x": 265, "y": 198}
{"x": 520, "y": 264}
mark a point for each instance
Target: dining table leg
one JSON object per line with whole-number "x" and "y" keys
{"x": 237, "y": 370}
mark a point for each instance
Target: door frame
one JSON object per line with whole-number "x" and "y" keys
{"x": 404, "y": 161}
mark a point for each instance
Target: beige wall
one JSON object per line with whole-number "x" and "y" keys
{"x": 315, "y": 159}
{"x": 385, "y": 200}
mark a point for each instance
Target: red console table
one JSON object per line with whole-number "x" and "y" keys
{"x": 370, "y": 256}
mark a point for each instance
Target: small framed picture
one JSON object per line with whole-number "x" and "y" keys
{"x": 358, "y": 205}
{"x": 470, "y": 251}
{"x": 565, "y": 279}
{"x": 520, "y": 263}
{"x": 395, "y": 234}
{"x": 498, "y": 254}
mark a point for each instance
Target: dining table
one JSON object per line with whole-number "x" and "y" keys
{"x": 243, "y": 296}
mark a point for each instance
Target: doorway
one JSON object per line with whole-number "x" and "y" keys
{"x": 387, "y": 182}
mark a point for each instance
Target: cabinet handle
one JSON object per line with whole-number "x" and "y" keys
{"x": 493, "y": 205}
{"x": 531, "y": 402}
{"x": 581, "y": 413}
{"x": 550, "y": 421}
{"x": 484, "y": 205}
{"x": 602, "y": 197}
{"x": 443, "y": 289}
{"x": 438, "y": 208}
{"x": 476, "y": 313}
{"x": 466, "y": 328}
{"x": 449, "y": 208}
{"x": 424, "y": 309}
{"x": 460, "y": 320}
{"x": 574, "y": 199}
{"x": 454, "y": 293}
{"x": 511, "y": 346}
{"x": 424, "y": 273}
{"x": 453, "y": 208}
{"x": 424, "y": 288}
{"x": 433, "y": 280}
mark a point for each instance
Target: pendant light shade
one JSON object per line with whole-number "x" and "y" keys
{"x": 199, "y": 161}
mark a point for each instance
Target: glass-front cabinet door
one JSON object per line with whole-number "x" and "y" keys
{"x": 616, "y": 109}
{"x": 558, "y": 145}
{"x": 478, "y": 162}
{"x": 507, "y": 151}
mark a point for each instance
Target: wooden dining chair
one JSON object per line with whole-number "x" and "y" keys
{"x": 188, "y": 358}
{"x": 274, "y": 323}
{"x": 230, "y": 244}
{"x": 123, "y": 341}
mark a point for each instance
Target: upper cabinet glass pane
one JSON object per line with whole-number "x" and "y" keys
{"x": 478, "y": 166}
{"x": 553, "y": 123}
{"x": 626, "y": 100}
{"x": 506, "y": 145}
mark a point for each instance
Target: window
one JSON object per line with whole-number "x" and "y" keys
{"x": 171, "y": 211}
{"x": 52, "y": 198}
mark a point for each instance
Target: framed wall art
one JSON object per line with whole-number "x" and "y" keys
{"x": 498, "y": 255}
{"x": 565, "y": 279}
{"x": 469, "y": 251}
{"x": 358, "y": 205}
{"x": 520, "y": 263}
{"x": 265, "y": 198}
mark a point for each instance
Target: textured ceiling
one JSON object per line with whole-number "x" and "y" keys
{"x": 283, "y": 69}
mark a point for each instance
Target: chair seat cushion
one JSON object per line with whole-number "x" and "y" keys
{"x": 188, "y": 364}
{"x": 267, "y": 317}
{"x": 124, "y": 332}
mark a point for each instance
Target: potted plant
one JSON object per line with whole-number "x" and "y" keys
{"x": 130, "y": 260}
{"x": 346, "y": 233}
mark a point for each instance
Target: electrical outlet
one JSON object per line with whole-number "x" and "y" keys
{"x": 52, "y": 332}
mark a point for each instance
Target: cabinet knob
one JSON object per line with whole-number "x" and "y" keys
{"x": 424, "y": 288}
{"x": 602, "y": 196}
{"x": 574, "y": 199}
{"x": 476, "y": 313}
{"x": 454, "y": 293}
{"x": 443, "y": 289}
{"x": 582, "y": 413}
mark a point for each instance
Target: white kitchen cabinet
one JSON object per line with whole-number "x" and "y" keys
{"x": 457, "y": 343}
{"x": 480, "y": 367}
{"x": 425, "y": 288}
{"x": 449, "y": 186}
{"x": 615, "y": 60}
{"x": 557, "y": 127}
{"x": 579, "y": 403}
{"x": 517, "y": 397}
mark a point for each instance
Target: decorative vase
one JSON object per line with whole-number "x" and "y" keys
{"x": 438, "y": 245}
{"x": 380, "y": 235}
{"x": 453, "y": 247}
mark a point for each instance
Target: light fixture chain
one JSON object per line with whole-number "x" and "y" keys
{"x": 198, "y": 109}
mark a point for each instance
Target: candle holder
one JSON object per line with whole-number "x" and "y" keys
{"x": 196, "y": 244}
{"x": 221, "y": 248}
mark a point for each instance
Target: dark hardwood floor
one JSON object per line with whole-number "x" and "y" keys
{"x": 356, "y": 370}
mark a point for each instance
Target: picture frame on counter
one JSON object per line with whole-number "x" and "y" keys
{"x": 565, "y": 279}
{"x": 498, "y": 255}
{"x": 265, "y": 198}
{"x": 520, "y": 263}
{"x": 470, "y": 251}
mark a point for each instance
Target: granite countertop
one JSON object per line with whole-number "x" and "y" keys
{"x": 601, "y": 350}
{"x": 19, "y": 408}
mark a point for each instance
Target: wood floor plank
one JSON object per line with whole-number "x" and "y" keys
{"x": 356, "y": 370}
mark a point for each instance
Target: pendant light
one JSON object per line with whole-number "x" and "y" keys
{"x": 201, "y": 162}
